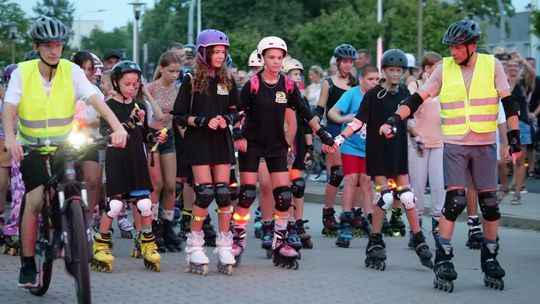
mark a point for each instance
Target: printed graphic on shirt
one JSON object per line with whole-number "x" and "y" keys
{"x": 281, "y": 97}
{"x": 363, "y": 132}
{"x": 222, "y": 90}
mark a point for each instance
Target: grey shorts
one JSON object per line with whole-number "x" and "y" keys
{"x": 481, "y": 161}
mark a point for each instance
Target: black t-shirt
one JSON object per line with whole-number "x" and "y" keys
{"x": 519, "y": 93}
{"x": 384, "y": 157}
{"x": 265, "y": 116}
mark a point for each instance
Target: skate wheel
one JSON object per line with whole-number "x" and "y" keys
{"x": 486, "y": 283}
{"x": 450, "y": 287}
{"x": 230, "y": 270}
{"x": 296, "y": 265}
{"x": 299, "y": 255}
{"x": 501, "y": 285}
{"x": 203, "y": 270}
{"x": 383, "y": 266}
{"x": 275, "y": 262}
{"x": 12, "y": 251}
{"x": 435, "y": 284}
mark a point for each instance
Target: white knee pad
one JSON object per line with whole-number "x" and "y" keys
{"x": 145, "y": 207}
{"x": 388, "y": 199}
{"x": 115, "y": 207}
{"x": 407, "y": 199}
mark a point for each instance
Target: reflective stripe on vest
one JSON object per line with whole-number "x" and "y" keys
{"x": 44, "y": 117}
{"x": 476, "y": 110}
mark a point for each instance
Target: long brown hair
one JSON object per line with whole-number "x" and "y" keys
{"x": 201, "y": 77}
{"x": 165, "y": 60}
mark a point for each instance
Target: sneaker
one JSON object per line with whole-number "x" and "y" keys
{"x": 523, "y": 189}
{"x": 516, "y": 200}
{"x": 27, "y": 276}
{"x": 531, "y": 175}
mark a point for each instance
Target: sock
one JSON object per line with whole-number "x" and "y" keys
{"x": 155, "y": 211}
{"x": 168, "y": 215}
{"x": 280, "y": 224}
{"x": 444, "y": 241}
{"x": 486, "y": 241}
{"x": 146, "y": 229}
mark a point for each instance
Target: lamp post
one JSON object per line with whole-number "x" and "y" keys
{"x": 13, "y": 28}
{"x": 137, "y": 8}
{"x": 79, "y": 34}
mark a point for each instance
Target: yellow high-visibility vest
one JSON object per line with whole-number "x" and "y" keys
{"x": 43, "y": 117}
{"x": 477, "y": 110}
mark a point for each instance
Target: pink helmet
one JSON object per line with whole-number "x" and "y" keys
{"x": 208, "y": 38}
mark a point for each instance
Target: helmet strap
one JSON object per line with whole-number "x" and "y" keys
{"x": 51, "y": 66}
{"x": 469, "y": 56}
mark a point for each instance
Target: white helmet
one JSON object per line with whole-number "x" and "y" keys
{"x": 411, "y": 61}
{"x": 271, "y": 42}
{"x": 254, "y": 60}
{"x": 292, "y": 64}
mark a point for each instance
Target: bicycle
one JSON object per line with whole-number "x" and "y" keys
{"x": 63, "y": 228}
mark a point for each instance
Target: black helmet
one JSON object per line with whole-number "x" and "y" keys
{"x": 122, "y": 67}
{"x": 47, "y": 29}
{"x": 462, "y": 32}
{"x": 394, "y": 57}
{"x": 345, "y": 51}
{"x": 190, "y": 50}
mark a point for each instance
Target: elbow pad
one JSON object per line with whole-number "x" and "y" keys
{"x": 319, "y": 112}
{"x": 413, "y": 102}
{"x": 510, "y": 105}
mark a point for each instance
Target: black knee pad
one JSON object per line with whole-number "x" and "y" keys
{"x": 298, "y": 186}
{"x": 336, "y": 176}
{"x": 283, "y": 198}
{"x": 454, "y": 204}
{"x": 204, "y": 195}
{"x": 489, "y": 205}
{"x": 223, "y": 195}
{"x": 247, "y": 195}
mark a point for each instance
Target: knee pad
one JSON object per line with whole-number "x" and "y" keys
{"x": 204, "y": 195}
{"x": 454, "y": 204}
{"x": 247, "y": 195}
{"x": 489, "y": 205}
{"x": 386, "y": 200}
{"x": 406, "y": 196}
{"x": 283, "y": 198}
{"x": 223, "y": 195}
{"x": 298, "y": 187}
{"x": 114, "y": 208}
{"x": 336, "y": 176}
{"x": 145, "y": 207}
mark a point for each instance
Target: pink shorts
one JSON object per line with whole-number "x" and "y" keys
{"x": 353, "y": 164}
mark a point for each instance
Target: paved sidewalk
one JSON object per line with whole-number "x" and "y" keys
{"x": 524, "y": 216}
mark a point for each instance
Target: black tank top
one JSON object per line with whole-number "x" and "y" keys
{"x": 334, "y": 94}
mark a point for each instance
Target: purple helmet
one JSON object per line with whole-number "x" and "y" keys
{"x": 8, "y": 70}
{"x": 208, "y": 38}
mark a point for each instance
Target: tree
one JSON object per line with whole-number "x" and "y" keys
{"x": 60, "y": 9}
{"x": 12, "y": 12}
{"x": 100, "y": 42}
{"x": 535, "y": 21}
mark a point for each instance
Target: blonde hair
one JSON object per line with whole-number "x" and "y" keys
{"x": 165, "y": 60}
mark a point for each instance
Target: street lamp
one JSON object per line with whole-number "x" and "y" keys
{"x": 137, "y": 8}
{"x": 79, "y": 34}
{"x": 13, "y": 28}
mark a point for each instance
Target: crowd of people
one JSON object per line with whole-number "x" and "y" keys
{"x": 179, "y": 141}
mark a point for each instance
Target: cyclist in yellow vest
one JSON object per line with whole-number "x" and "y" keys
{"x": 469, "y": 86}
{"x": 42, "y": 93}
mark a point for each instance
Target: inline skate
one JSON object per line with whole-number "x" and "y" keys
{"x": 284, "y": 255}
{"x": 305, "y": 238}
{"x": 475, "y": 236}
{"x": 224, "y": 251}
{"x": 149, "y": 251}
{"x": 197, "y": 261}
{"x": 396, "y": 222}
{"x": 292, "y": 237}
{"x": 171, "y": 240}
{"x": 125, "y": 226}
{"x": 239, "y": 243}
{"x": 136, "y": 251}
{"x": 444, "y": 268}
{"x": 376, "y": 252}
{"x": 493, "y": 272}
{"x": 360, "y": 225}
{"x": 330, "y": 224}
{"x": 103, "y": 258}
{"x": 268, "y": 237}
{"x": 422, "y": 249}
{"x": 345, "y": 230}
{"x": 185, "y": 224}
{"x": 257, "y": 223}
{"x": 157, "y": 228}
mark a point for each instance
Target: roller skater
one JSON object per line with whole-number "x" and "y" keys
{"x": 330, "y": 225}
{"x": 197, "y": 261}
{"x": 475, "y": 236}
{"x": 376, "y": 252}
{"x": 149, "y": 251}
{"x": 103, "y": 258}
{"x": 209, "y": 233}
{"x": 493, "y": 272}
{"x": 305, "y": 238}
{"x": 386, "y": 160}
{"x": 206, "y": 108}
{"x": 345, "y": 230}
{"x": 284, "y": 255}
{"x": 468, "y": 129}
{"x": 224, "y": 251}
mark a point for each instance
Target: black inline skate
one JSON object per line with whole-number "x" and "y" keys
{"x": 493, "y": 272}
{"x": 422, "y": 249}
{"x": 284, "y": 255}
{"x": 396, "y": 222}
{"x": 209, "y": 233}
{"x": 330, "y": 224}
{"x": 307, "y": 243}
{"x": 345, "y": 230}
{"x": 435, "y": 229}
{"x": 185, "y": 224}
{"x": 268, "y": 237}
{"x": 257, "y": 224}
{"x": 444, "y": 268}
{"x": 157, "y": 229}
{"x": 292, "y": 237}
{"x": 376, "y": 252}
{"x": 475, "y": 235}
{"x": 172, "y": 241}
{"x": 386, "y": 227}
{"x": 361, "y": 226}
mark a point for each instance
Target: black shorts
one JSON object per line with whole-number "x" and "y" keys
{"x": 250, "y": 163}
{"x": 91, "y": 154}
{"x": 35, "y": 170}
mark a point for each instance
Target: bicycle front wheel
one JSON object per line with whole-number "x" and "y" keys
{"x": 78, "y": 241}
{"x": 44, "y": 252}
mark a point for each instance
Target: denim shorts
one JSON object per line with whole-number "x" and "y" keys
{"x": 167, "y": 147}
{"x": 525, "y": 133}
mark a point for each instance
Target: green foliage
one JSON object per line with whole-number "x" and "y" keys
{"x": 100, "y": 42}
{"x": 535, "y": 21}
{"x": 60, "y": 9}
{"x": 12, "y": 12}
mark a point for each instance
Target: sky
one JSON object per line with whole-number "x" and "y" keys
{"x": 118, "y": 12}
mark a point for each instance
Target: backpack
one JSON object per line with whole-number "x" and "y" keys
{"x": 254, "y": 85}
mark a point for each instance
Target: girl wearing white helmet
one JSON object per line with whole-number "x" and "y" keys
{"x": 254, "y": 62}
{"x": 206, "y": 107}
{"x": 264, "y": 102}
